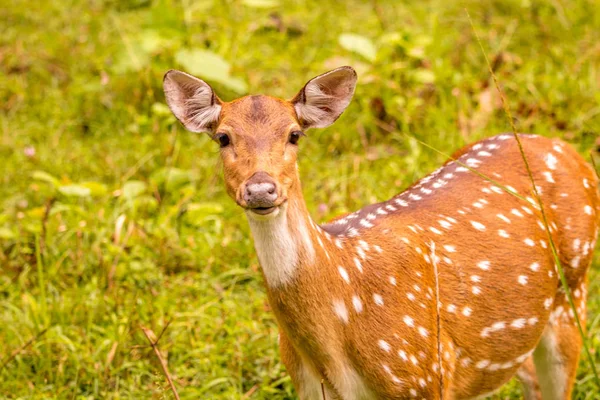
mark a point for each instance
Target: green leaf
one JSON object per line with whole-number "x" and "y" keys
{"x": 74, "y": 190}
{"x": 424, "y": 76}
{"x": 261, "y": 3}
{"x": 96, "y": 188}
{"x": 161, "y": 110}
{"x": 45, "y": 177}
{"x": 6, "y": 233}
{"x": 209, "y": 66}
{"x": 358, "y": 44}
{"x": 132, "y": 189}
{"x": 171, "y": 178}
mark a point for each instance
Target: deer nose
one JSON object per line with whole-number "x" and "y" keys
{"x": 260, "y": 191}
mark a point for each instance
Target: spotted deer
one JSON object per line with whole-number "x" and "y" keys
{"x": 445, "y": 291}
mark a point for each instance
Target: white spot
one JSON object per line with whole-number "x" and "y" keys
{"x": 402, "y": 355}
{"x": 475, "y": 278}
{"x": 575, "y": 262}
{"x": 587, "y": 210}
{"x": 340, "y": 310}
{"x": 451, "y": 308}
{"x": 449, "y": 248}
{"x": 478, "y": 226}
{"x": 338, "y": 243}
{"x": 361, "y": 253}
{"x": 585, "y": 183}
{"x": 529, "y": 242}
{"x": 423, "y": 331}
{"x": 435, "y": 230}
{"x": 551, "y": 161}
{"x": 409, "y": 321}
{"x": 445, "y": 224}
{"x": 385, "y": 346}
{"x": 366, "y": 223}
{"x": 410, "y": 296}
{"x": 476, "y": 290}
{"x": 497, "y": 326}
{"x": 378, "y": 249}
{"x": 482, "y": 364}
{"x": 358, "y": 264}
{"x": 378, "y": 299}
{"x": 548, "y": 176}
{"x": 532, "y": 321}
{"x": 393, "y": 280}
{"x": 484, "y": 265}
{"x": 518, "y": 323}
{"x": 503, "y": 218}
{"x": 484, "y": 153}
{"x": 516, "y": 212}
{"x": 522, "y": 279}
{"x": 357, "y": 304}
{"x": 401, "y": 202}
{"x": 548, "y": 303}
{"x": 473, "y": 162}
{"x": 466, "y": 311}
{"x": 344, "y": 274}
{"x": 535, "y": 267}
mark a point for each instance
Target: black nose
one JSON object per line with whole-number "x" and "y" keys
{"x": 260, "y": 191}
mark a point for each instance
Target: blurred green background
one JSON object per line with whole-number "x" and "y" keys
{"x": 112, "y": 217}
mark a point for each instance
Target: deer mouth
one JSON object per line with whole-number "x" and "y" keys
{"x": 263, "y": 210}
{"x": 266, "y": 210}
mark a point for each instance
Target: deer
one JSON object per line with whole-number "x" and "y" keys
{"x": 445, "y": 291}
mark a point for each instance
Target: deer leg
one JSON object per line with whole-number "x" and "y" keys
{"x": 528, "y": 378}
{"x": 305, "y": 380}
{"x": 556, "y": 358}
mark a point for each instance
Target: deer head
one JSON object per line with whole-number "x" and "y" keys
{"x": 258, "y": 135}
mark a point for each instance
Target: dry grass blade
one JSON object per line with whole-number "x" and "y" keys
{"x": 154, "y": 343}
{"x": 16, "y": 352}
{"x": 540, "y": 204}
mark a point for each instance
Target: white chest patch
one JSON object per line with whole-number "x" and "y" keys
{"x": 279, "y": 246}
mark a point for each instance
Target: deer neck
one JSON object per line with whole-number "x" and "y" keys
{"x": 284, "y": 242}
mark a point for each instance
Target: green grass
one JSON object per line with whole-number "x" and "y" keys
{"x": 112, "y": 217}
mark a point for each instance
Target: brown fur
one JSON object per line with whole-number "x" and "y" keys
{"x": 494, "y": 303}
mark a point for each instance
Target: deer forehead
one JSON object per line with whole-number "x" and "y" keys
{"x": 258, "y": 116}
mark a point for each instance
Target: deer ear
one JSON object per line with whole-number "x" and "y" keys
{"x": 324, "y": 98}
{"x": 192, "y": 101}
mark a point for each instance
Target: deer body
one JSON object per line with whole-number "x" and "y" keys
{"x": 444, "y": 291}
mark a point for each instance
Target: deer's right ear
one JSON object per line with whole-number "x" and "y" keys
{"x": 324, "y": 98}
{"x": 192, "y": 101}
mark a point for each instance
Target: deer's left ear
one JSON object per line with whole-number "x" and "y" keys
{"x": 192, "y": 101}
{"x": 324, "y": 98}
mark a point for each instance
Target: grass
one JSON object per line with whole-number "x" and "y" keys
{"x": 114, "y": 218}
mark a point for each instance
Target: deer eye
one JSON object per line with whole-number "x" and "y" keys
{"x": 223, "y": 139}
{"x": 295, "y": 136}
